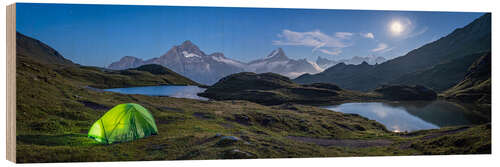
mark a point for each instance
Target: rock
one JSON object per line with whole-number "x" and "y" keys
{"x": 242, "y": 119}
{"x": 227, "y": 140}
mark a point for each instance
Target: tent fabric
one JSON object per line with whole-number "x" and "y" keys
{"x": 124, "y": 122}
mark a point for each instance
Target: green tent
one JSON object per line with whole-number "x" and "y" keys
{"x": 124, "y": 122}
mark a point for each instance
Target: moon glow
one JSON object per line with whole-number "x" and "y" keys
{"x": 396, "y": 28}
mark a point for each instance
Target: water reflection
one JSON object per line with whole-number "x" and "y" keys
{"x": 412, "y": 116}
{"x": 189, "y": 92}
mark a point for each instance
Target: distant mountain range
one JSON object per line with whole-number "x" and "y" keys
{"x": 438, "y": 65}
{"x": 188, "y": 60}
{"x": 278, "y": 62}
{"x": 325, "y": 63}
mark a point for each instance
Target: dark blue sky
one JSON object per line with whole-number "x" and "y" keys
{"x": 100, "y": 34}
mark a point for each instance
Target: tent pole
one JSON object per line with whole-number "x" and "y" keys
{"x": 105, "y": 135}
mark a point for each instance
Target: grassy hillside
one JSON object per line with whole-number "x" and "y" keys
{"x": 441, "y": 76}
{"x": 476, "y": 85}
{"x": 27, "y": 47}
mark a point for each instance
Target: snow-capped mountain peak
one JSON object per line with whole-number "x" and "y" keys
{"x": 278, "y": 62}
{"x": 277, "y": 54}
{"x": 274, "y": 53}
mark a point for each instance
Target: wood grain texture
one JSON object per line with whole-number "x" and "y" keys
{"x": 11, "y": 82}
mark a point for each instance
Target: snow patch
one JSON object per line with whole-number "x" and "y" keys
{"x": 227, "y": 61}
{"x": 266, "y": 65}
{"x": 316, "y": 66}
{"x": 188, "y": 55}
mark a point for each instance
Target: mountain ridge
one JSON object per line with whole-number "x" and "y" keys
{"x": 37, "y": 50}
{"x": 372, "y": 60}
{"x": 472, "y": 38}
{"x": 188, "y": 60}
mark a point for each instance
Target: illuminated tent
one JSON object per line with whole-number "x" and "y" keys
{"x": 124, "y": 122}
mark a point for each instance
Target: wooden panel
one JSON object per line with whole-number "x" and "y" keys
{"x": 11, "y": 83}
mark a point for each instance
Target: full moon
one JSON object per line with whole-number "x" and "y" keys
{"x": 396, "y": 28}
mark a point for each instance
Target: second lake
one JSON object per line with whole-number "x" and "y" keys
{"x": 412, "y": 116}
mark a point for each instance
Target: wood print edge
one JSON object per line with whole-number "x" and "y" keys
{"x": 11, "y": 82}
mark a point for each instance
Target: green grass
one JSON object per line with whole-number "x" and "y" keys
{"x": 55, "y": 111}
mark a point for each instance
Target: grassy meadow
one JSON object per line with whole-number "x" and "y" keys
{"x": 55, "y": 109}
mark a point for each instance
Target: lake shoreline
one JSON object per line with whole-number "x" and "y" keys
{"x": 324, "y": 105}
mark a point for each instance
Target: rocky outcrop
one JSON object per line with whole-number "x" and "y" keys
{"x": 272, "y": 89}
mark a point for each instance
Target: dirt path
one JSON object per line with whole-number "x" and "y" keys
{"x": 407, "y": 144}
{"x": 438, "y": 134}
{"x": 371, "y": 143}
{"x": 343, "y": 142}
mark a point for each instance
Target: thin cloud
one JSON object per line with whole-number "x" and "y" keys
{"x": 387, "y": 50}
{"x": 315, "y": 39}
{"x": 380, "y": 47}
{"x": 334, "y": 52}
{"x": 368, "y": 35}
{"x": 343, "y": 35}
{"x": 422, "y": 31}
